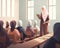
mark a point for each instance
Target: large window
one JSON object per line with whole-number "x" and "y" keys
{"x": 52, "y": 9}
{"x": 30, "y": 9}
{"x": 7, "y": 8}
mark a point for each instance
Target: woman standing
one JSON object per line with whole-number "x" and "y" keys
{"x": 44, "y": 17}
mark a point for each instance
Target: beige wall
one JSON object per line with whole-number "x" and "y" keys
{"x": 16, "y": 13}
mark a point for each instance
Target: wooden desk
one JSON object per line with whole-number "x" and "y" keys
{"x": 32, "y": 43}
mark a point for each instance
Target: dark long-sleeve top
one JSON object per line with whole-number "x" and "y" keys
{"x": 51, "y": 43}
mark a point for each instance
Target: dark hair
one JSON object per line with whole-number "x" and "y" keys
{"x": 1, "y": 24}
{"x": 7, "y": 24}
{"x": 13, "y": 24}
{"x": 56, "y": 28}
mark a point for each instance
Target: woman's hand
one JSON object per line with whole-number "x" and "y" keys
{"x": 46, "y": 22}
{"x": 37, "y": 14}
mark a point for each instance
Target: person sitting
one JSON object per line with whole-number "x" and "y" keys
{"x": 3, "y": 34}
{"x": 7, "y": 26}
{"x": 13, "y": 32}
{"x": 36, "y": 28}
{"x": 29, "y": 29}
{"x": 21, "y": 30}
{"x": 54, "y": 42}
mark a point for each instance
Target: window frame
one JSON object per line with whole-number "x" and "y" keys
{"x": 30, "y": 17}
{"x": 52, "y": 6}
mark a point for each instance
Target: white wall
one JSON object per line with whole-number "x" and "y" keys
{"x": 37, "y": 9}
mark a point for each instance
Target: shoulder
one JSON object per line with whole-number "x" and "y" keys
{"x": 15, "y": 30}
{"x": 50, "y": 43}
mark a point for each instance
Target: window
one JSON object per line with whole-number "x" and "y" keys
{"x": 52, "y": 9}
{"x": 7, "y": 8}
{"x": 30, "y": 9}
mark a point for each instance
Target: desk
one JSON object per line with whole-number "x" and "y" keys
{"x": 33, "y": 43}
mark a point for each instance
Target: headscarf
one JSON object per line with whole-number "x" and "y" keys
{"x": 20, "y": 23}
{"x": 57, "y": 31}
{"x": 35, "y": 23}
{"x": 29, "y": 24}
{"x": 44, "y": 12}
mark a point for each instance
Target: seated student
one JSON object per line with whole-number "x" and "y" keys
{"x": 36, "y": 28}
{"x": 7, "y": 26}
{"x": 21, "y": 30}
{"x": 54, "y": 42}
{"x": 29, "y": 29}
{"x": 14, "y": 32}
{"x": 4, "y": 35}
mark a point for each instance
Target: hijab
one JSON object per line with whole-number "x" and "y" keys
{"x": 29, "y": 24}
{"x": 57, "y": 31}
{"x": 35, "y": 23}
{"x": 44, "y": 12}
{"x": 20, "y": 23}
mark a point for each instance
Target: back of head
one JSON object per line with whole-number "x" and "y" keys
{"x": 1, "y": 24}
{"x": 20, "y": 23}
{"x": 7, "y": 24}
{"x": 2, "y": 30}
{"x": 57, "y": 31}
{"x": 13, "y": 24}
{"x": 29, "y": 24}
{"x": 35, "y": 22}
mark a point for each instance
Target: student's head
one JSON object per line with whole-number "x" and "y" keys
{"x": 7, "y": 24}
{"x": 57, "y": 31}
{"x": 13, "y": 24}
{"x": 1, "y": 24}
{"x": 20, "y": 23}
{"x": 29, "y": 23}
{"x": 43, "y": 8}
{"x": 35, "y": 23}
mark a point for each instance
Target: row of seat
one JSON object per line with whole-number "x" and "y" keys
{"x": 33, "y": 43}
{"x": 13, "y": 34}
